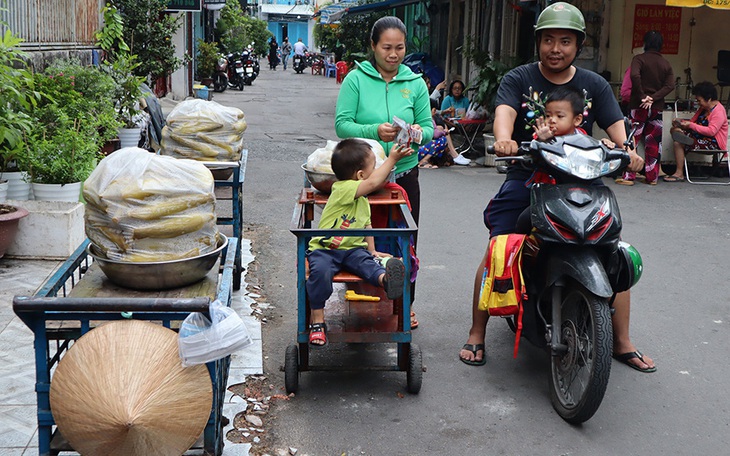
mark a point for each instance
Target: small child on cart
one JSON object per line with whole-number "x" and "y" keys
{"x": 348, "y": 208}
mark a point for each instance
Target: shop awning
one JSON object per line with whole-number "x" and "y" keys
{"x": 332, "y": 13}
{"x": 718, "y": 4}
{"x": 379, "y": 6}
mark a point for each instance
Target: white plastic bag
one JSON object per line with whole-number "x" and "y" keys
{"x": 476, "y": 112}
{"x": 201, "y": 340}
{"x": 321, "y": 159}
{"x": 145, "y": 207}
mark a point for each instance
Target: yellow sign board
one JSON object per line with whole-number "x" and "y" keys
{"x": 718, "y": 4}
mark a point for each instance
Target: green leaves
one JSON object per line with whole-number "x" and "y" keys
{"x": 17, "y": 98}
{"x": 111, "y": 36}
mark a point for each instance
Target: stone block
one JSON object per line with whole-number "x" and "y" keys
{"x": 51, "y": 231}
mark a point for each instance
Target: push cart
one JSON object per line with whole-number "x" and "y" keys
{"x": 385, "y": 321}
{"x": 229, "y": 177}
{"x": 79, "y": 296}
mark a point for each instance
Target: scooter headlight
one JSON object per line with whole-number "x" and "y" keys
{"x": 582, "y": 163}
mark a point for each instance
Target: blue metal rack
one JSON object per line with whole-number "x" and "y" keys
{"x": 54, "y": 303}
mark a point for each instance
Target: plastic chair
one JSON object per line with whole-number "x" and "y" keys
{"x": 341, "y": 70}
{"x": 330, "y": 70}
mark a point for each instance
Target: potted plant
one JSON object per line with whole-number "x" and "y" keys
{"x": 18, "y": 97}
{"x": 208, "y": 55}
{"x": 120, "y": 64}
{"x": 72, "y": 122}
{"x": 127, "y": 94}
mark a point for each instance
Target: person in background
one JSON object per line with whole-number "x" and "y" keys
{"x": 376, "y": 91}
{"x": 706, "y": 130}
{"x": 348, "y": 208}
{"x": 455, "y": 103}
{"x": 441, "y": 148}
{"x": 299, "y": 47}
{"x": 560, "y": 35}
{"x": 625, "y": 92}
{"x": 285, "y": 51}
{"x": 273, "y": 53}
{"x": 652, "y": 79}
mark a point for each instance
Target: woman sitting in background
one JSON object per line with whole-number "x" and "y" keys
{"x": 432, "y": 154}
{"x": 706, "y": 130}
{"x": 455, "y": 103}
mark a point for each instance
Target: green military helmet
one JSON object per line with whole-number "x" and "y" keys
{"x": 562, "y": 15}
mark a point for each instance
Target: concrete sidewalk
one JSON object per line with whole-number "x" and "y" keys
{"x": 18, "y": 424}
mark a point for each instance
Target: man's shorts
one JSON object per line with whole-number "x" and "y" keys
{"x": 500, "y": 215}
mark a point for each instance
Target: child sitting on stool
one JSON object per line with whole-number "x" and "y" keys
{"x": 348, "y": 208}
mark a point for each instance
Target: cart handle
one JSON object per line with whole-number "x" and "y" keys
{"x": 34, "y": 304}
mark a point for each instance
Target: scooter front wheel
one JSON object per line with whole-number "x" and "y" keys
{"x": 579, "y": 376}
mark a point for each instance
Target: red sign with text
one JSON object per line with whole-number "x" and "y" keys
{"x": 665, "y": 19}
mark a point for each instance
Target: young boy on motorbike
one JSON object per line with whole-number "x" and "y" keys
{"x": 560, "y": 34}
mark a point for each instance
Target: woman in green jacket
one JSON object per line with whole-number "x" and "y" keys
{"x": 380, "y": 89}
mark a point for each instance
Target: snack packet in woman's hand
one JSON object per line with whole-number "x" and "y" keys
{"x": 406, "y": 133}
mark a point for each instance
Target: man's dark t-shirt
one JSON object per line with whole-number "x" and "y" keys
{"x": 527, "y": 80}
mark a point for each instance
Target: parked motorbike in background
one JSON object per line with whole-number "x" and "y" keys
{"x": 250, "y": 64}
{"x": 236, "y": 71}
{"x": 573, "y": 264}
{"x": 298, "y": 63}
{"x": 220, "y": 78}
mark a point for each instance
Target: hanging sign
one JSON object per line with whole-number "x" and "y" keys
{"x": 719, "y": 4}
{"x": 665, "y": 19}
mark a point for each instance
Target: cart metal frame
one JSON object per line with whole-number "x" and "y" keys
{"x": 408, "y": 355}
{"x": 52, "y": 303}
{"x": 235, "y": 184}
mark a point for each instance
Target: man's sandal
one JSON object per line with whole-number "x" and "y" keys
{"x": 474, "y": 348}
{"x": 317, "y": 335}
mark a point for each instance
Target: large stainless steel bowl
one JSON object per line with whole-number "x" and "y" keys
{"x": 158, "y": 275}
{"x": 323, "y": 181}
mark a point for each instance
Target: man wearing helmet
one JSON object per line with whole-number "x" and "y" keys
{"x": 560, "y": 34}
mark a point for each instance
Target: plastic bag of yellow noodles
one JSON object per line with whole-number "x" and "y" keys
{"x": 145, "y": 207}
{"x": 204, "y": 131}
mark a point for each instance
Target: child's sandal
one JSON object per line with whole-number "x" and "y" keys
{"x": 317, "y": 333}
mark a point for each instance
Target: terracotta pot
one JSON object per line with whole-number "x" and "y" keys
{"x": 9, "y": 217}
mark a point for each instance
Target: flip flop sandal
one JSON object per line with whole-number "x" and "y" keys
{"x": 625, "y": 357}
{"x": 318, "y": 333}
{"x": 673, "y": 179}
{"x": 474, "y": 348}
{"x": 414, "y": 322}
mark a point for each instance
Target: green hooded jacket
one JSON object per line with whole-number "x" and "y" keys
{"x": 366, "y": 101}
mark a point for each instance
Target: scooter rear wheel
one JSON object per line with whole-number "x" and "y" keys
{"x": 579, "y": 377}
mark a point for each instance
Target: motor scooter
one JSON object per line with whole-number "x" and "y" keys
{"x": 236, "y": 72}
{"x": 298, "y": 63}
{"x": 573, "y": 264}
{"x": 249, "y": 66}
{"x": 220, "y": 78}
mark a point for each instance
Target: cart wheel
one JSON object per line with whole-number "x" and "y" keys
{"x": 291, "y": 369}
{"x": 415, "y": 369}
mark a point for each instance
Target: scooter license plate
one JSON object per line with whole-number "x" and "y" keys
{"x": 249, "y": 70}
{"x": 239, "y": 70}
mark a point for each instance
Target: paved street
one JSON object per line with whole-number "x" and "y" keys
{"x": 679, "y": 317}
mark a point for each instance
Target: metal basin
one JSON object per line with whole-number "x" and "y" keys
{"x": 323, "y": 181}
{"x": 158, "y": 275}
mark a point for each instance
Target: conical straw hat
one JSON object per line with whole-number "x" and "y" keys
{"x": 121, "y": 390}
